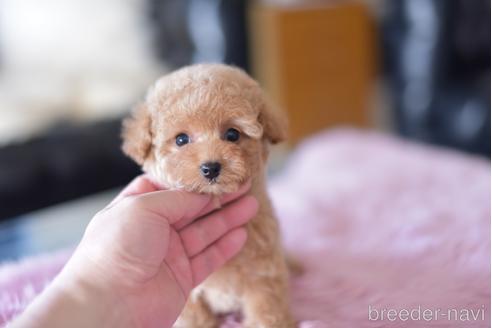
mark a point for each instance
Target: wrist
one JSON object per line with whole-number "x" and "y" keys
{"x": 90, "y": 303}
{"x": 93, "y": 301}
{"x": 72, "y": 301}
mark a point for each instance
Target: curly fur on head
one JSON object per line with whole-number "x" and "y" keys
{"x": 204, "y": 102}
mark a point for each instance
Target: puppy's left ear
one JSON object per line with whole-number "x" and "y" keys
{"x": 274, "y": 122}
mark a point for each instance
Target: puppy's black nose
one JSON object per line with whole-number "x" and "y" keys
{"x": 210, "y": 170}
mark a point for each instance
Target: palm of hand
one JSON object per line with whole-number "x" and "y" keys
{"x": 152, "y": 252}
{"x": 183, "y": 262}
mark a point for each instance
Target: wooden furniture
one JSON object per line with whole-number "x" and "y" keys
{"x": 317, "y": 62}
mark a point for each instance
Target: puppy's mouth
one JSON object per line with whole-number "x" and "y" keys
{"x": 215, "y": 187}
{"x": 218, "y": 185}
{"x": 226, "y": 181}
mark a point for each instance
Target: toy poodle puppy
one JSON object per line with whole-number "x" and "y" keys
{"x": 207, "y": 128}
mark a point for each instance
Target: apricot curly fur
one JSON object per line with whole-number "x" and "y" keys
{"x": 204, "y": 101}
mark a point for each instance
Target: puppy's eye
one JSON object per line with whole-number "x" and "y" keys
{"x": 232, "y": 135}
{"x": 182, "y": 139}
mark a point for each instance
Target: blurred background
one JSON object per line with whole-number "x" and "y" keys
{"x": 70, "y": 70}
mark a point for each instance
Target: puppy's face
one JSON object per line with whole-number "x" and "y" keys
{"x": 204, "y": 128}
{"x": 204, "y": 147}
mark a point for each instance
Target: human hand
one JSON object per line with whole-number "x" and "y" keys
{"x": 141, "y": 255}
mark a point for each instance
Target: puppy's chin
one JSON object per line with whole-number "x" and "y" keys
{"x": 216, "y": 188}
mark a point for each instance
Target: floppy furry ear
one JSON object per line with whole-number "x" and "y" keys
{"x": 137, "y": 134}
{"x": 274, "y": 122}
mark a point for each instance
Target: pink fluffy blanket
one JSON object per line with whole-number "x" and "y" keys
{"x": 390, "y": 234}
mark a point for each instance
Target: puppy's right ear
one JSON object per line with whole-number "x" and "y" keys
{"x": 137, "y": 134}
{"x": 274, "y": 122}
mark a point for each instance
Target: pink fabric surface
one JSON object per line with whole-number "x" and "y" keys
{"x": 21, "y": 281}
{"x": 376, "y": 222}
{"x": 385, "y": 223}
